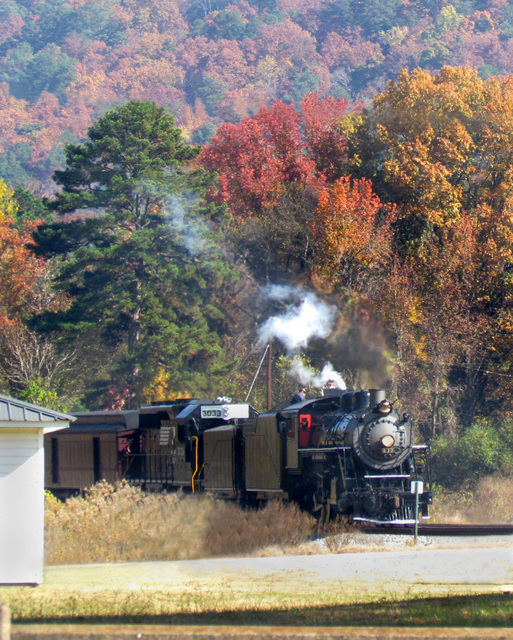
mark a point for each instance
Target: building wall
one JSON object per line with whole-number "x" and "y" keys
{"x": 21, "y": 506}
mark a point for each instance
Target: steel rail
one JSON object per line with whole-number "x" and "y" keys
{"x": 442, "y": 529}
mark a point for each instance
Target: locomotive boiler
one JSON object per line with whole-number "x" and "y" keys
{"x": 345, "y": 453}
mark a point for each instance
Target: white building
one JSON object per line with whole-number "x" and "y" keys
{"x": 22, "y": 426}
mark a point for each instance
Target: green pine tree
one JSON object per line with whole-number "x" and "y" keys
{"x": 145, "y": 279}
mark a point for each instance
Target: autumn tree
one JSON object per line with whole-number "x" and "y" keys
{"x": 271, "y": 168}
{"x": 260, "y": 166}
{"x": 255, "y": 157}
{"x": 437, "y": 146}
{"x": 30, "y": 365}
{"x": 325, "y": 140}
{"x": 231, "y": 56}
{"x": 353, "y": 235}
{"x": 20, "y": 268}
{"x": 440, "y": 336}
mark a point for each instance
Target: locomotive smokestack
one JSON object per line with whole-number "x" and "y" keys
{"x": 376, "y": 396}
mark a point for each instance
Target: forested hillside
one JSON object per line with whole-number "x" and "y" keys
{"x": 185, "y": 183}
{"x": 64, "y": 63}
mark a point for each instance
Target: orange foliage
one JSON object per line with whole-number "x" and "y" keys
{"x": 227, "y": 64}
{"x": 349, "y": 233}
{"x": 20, "y": 271}
{"x": 288, "y": 43}
{"x": 53, "y": 118}
{"x": 14, "y": 118}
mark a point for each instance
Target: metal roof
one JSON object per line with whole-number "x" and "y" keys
{"x": 107, "y": 427}
{"x": 186, "y": 412}
{"x": 127, "y": 419}
{"x": 12, "y": 410}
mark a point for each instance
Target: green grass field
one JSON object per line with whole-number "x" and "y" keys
{"x": 123, "y": 525}
{"x": 275, "y": 607}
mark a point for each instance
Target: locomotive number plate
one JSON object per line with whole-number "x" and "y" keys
{"x": 225, "y": 411}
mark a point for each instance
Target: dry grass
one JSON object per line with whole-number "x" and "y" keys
{"x": 123, "y": 524}
{"x": 490, "y": 501}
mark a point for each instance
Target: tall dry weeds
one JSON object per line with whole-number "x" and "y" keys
{"x": 124, "y": 524}
{"x": 489, "y": 501}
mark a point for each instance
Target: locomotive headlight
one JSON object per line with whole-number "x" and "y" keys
{"x": 388, "y": 441}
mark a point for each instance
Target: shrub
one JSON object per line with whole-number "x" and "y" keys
{"x": 484, "y": 449}
{"x": 489, "y": 501}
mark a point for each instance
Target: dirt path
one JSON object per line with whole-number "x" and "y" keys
{"x": 420, "y": 567}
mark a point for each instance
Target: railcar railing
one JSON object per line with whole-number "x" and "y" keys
{"x": 147, "y": 467}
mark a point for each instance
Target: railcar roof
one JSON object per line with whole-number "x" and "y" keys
{"x": 129, "y": 418}
{"x": 99, "y": 427}
{"x": 324, "y": 402}
{"x": 153, "y": 408}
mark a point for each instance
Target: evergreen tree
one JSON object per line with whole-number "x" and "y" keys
{"x": 144, "y": 277}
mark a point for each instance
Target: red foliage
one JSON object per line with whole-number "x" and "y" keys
{"x": 256, "y": 156}
{"x": 327, "y": 145}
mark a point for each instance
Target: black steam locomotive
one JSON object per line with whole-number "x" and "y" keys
{"x": 348, "y": 453}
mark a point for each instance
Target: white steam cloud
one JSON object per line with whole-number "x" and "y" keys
{"x": 306, "y": 318}
{"x": 309, "y": 377}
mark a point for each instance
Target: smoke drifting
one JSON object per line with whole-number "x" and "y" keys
{"x": 190, "y": 232}
{"x": 306, "y": 317}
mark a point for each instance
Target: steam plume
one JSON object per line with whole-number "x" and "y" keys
{"x": 306, "y": 318}
{"x": 308, "y": 376}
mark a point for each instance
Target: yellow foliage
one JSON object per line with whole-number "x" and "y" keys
{"x": 159, "y": 390}
{"x": 8, "y": 206}
{"x": 443, "y": 134}
{"x": 415, "y": 311}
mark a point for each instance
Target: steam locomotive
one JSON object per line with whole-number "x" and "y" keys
{"x": 345, "y": 453}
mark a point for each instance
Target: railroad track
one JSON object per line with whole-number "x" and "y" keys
{"x": 443, "y": 529}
